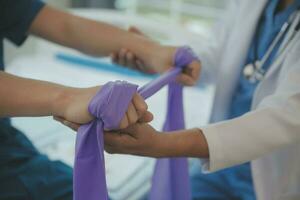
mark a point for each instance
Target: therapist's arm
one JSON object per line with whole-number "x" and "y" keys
{"x": 97, "y": 38}
{"x": 142, "y": 139}
{"x": 273, "y": 126}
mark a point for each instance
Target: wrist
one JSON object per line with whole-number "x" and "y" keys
{"x": 183, "y": 143}
{"x": 160, "y": 147}
{"x": 166, "y": 145}
{"x": 162, "y": 57}
{"x": 61, "y": 100}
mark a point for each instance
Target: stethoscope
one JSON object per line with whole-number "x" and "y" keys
{"x": 254, "y": 71}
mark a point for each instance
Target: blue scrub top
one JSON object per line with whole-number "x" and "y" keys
{"x": 15, "y": 19}
{"x": 269, "y": 26}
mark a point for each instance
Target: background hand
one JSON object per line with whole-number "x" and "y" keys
{"x": 162, "y": 62}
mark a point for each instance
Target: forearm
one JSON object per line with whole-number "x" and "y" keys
{"x": 183, "y": 143}
{"x": 88, "y": 36}
{"x": 27, "y": 97}
{"x": 98, "y": 38}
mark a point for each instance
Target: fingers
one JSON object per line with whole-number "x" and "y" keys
{"x": 136, "y": 112}
{"x": 139, "y": 104}
{"x": 126, "y": 58}
{"x": 122, "y": 57}
{"x": 114, "y": 57}
{"x": 139, "y": 65}
{"x": 124, "y": 122}
{"x": 190, "y": 75}
{"x": 185, "y": 80}
{"x": 195, "y": 70}
{"x": 69, "y": 124}
{"x": 131, "y": 114}
{"x": 130, "y": 60}
{"x": 146, "y": 118}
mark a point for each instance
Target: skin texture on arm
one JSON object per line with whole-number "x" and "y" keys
{"x": 27, "y": 97}
{"x": 96, "y": 38}
{"x": 100, "y": 39}
{"x": 143, "y": 140}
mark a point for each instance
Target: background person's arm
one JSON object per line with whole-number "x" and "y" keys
{"x": 96, "y": 38}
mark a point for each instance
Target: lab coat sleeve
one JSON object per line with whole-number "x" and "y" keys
{"x": 210, "y": 49}
{"x": 274, "y": 124}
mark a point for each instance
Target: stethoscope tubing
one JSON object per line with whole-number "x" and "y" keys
{"x": 292, "y": 24}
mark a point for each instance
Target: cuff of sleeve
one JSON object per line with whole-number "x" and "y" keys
{"x": 215, "y": 147}
{"x": 19, "y": 33}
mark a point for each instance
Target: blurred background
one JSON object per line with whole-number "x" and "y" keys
{"x": 175, "y": 22}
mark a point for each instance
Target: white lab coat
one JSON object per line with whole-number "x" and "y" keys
{"x": 269, "y": 135}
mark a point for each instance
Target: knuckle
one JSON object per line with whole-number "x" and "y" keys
{"x": 129, "y": 56}
{"x": 141, "y": 105}
{"x": 144, "y": 107}
{"x": 123, "y": 125}
{"x": 123, "y": 52}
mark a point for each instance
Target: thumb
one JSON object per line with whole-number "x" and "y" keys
{"x": 146, "y": 118}
{"x": 185, "y": 80}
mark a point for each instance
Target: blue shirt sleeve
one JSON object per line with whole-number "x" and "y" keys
{"x": 16, "y": 17}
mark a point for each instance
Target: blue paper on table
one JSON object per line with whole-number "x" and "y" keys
{"x": 82, "y": 61}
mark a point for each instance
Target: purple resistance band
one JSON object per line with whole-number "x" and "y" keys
{"x": 170, "y": 180}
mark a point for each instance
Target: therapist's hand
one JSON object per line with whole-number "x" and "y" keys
{"x": 162, "y": 61}
{"x": 138, "y": 139}
{"x": 143, "y": 140}
{"x": 75, "y": 103}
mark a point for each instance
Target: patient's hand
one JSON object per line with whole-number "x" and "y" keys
{"x": 159, "y": 61}
{"x": 75, "y": 109}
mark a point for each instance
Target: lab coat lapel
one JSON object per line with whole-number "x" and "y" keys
{"x": 268, "y": 84}
{"x": 236, "y": 50}
{"x": 279, "y": 59}
{"x": 274, "y": 68}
